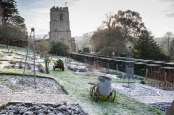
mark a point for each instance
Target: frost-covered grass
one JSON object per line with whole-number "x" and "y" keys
{"x": 77, "y": 86}
{"x": 20, "y": 50}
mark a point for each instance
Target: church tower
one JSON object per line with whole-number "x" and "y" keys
{"x": 60, "y": 25}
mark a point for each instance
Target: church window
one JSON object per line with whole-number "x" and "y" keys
{"x": 61, "y": 17}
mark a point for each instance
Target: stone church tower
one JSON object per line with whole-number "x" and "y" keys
{"x": 60, "y": 25}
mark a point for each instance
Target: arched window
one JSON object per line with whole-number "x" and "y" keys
{"x": 61, "y": 17}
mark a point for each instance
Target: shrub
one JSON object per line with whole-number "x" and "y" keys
{"x": 28, "y": 65}
{"x": 41, "y": 68}
{"x": 79, "y": 51}
{"x": 13, "y": 66}
{"x": 12, "y": 62}
{"x": 59, "y": 48}
{"x": 86, "y": 50}
{"x": 21, "y": 65}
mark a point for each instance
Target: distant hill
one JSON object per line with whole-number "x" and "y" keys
{"x": 38, "y": 37}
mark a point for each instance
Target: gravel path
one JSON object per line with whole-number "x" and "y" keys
{"x": 41, "y": 98}
{"x": 158, "y": 98}
{"x": 144, "y": 93}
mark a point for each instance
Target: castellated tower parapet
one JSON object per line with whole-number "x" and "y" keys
{"x": 61, "y": 9}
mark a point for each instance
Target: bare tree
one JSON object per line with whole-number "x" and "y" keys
{"x": 168, "y": 37}
{"x": 84, "y": 41}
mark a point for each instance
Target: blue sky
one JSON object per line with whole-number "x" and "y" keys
{"x": 87, "y": 15}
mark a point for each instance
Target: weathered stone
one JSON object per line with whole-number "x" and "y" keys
{"x": 49, "y": 111}
{"x": 60, "y": 114}
{"x": 73, "y": 108}
{"x": 171, "y": 109}
{"x": 56, "y": 105}
{"x": 72, "y": 112}
{"x": 45, "y": 111}
{"x": 21, "y": 111}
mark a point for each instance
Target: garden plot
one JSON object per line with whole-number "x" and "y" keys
{"x": 23, "y": 98}
{"x": 43, "y": 85}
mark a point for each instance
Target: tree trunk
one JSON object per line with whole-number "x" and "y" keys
{"x": 7, "y": 45}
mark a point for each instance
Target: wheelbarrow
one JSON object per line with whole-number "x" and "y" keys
{"x": 102, "y": 88}
{"x": 58, "y": 64}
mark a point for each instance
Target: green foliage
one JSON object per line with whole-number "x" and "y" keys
{"x": 9, "y": 33}
{"x": 10, "y": 14}
{"x": 9, "y": 8}
{"x": 146, "y": 48}
{"x": 79, "y": 51}
{"x": 13, "y": 27}
{"x": 59, "y": 48}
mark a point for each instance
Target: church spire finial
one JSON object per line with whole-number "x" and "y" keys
{"x": 54, "y": 3}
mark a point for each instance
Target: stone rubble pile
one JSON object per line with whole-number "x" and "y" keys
{"x": 161, "y": 106}
{"x": 41, "y": 109}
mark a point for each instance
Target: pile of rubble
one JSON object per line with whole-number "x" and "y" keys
{"x": 41, "y": 109}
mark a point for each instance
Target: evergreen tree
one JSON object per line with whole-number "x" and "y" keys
{"x": 146, "y": 48}
{"x": 9, "y": 8}
{"x": 13, "y": 27}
